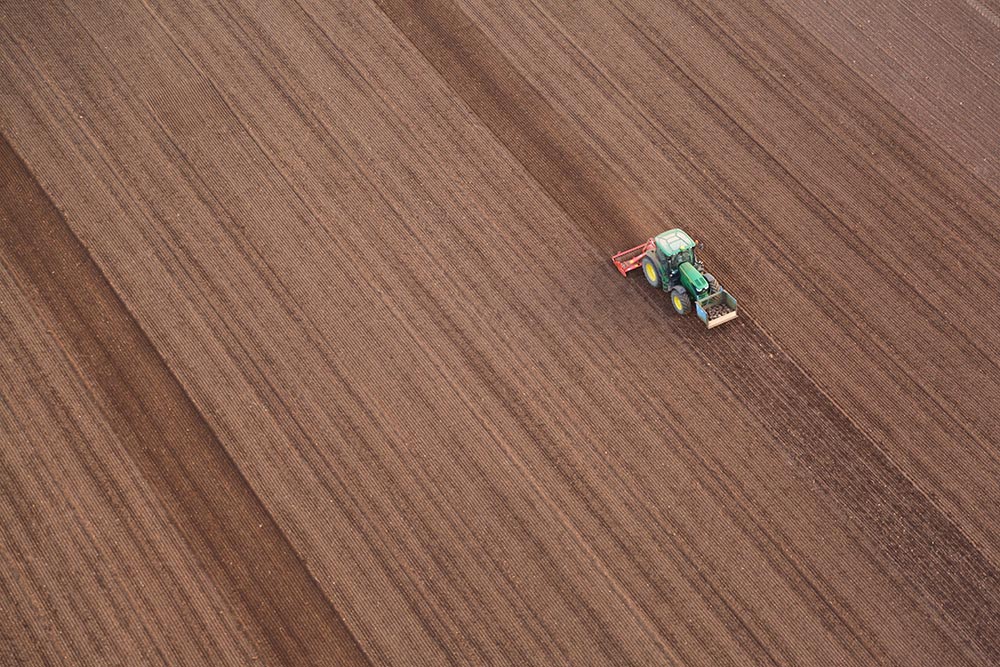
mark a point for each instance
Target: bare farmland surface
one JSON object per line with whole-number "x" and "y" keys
{"x": 313, "y": 354}
{"x": 937, "y": 62}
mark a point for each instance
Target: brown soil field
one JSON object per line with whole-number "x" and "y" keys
{"x": 311, "y": 351}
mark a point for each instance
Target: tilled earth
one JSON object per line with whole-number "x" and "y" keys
{"x": 312, "y": 351}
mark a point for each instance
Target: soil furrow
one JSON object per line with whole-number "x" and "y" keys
{"x": 217, "y": 512}
{"x": 956, "y": 581}
{"x": 321, "y": 357}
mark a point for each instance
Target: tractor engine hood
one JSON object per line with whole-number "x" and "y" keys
{"x": 692, "y": 278}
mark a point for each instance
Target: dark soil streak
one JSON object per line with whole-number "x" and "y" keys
{"x": 215, "y": 509}
{"x": 515, "y": 112}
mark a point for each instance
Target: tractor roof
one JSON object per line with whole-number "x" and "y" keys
{"x": 674, "y": 241}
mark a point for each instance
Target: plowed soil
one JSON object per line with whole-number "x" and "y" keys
{"x": 312, "y": 351}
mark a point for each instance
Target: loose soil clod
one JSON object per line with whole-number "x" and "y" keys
{"x": 717, "y": 311}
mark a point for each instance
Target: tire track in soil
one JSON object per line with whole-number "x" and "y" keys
{"x": 933, "y": 555}
{"x": 910, "y": 531}
{"x": 226, "y": 525}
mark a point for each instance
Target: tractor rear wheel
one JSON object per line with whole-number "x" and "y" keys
{"x": 651, "y": 269}
{"x": 680, "y": 300}
{"x": 713, "y": 284}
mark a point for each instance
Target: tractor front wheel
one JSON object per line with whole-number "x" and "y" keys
{"x": 651, "y": 269}
{"x": 680, "y": 300}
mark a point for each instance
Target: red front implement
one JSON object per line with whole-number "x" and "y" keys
{"x": 631, "y": 259}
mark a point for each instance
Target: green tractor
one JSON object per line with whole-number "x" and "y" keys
{"x": 669, "y": 261}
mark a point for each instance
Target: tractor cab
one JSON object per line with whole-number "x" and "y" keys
{"x": 674, "y": 248}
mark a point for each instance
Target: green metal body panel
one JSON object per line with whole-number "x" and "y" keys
{"x": 678, "y": 270}
{"x": 692, "y": 280}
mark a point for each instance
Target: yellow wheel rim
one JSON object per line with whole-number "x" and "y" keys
{"x": 650, "y": 273}
{"x": 677, "y": 303}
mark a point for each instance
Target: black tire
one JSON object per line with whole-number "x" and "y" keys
{"x": 680, "y": 300}
{"x": 713, "y": 284}
{"x": 653, "y": 272}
